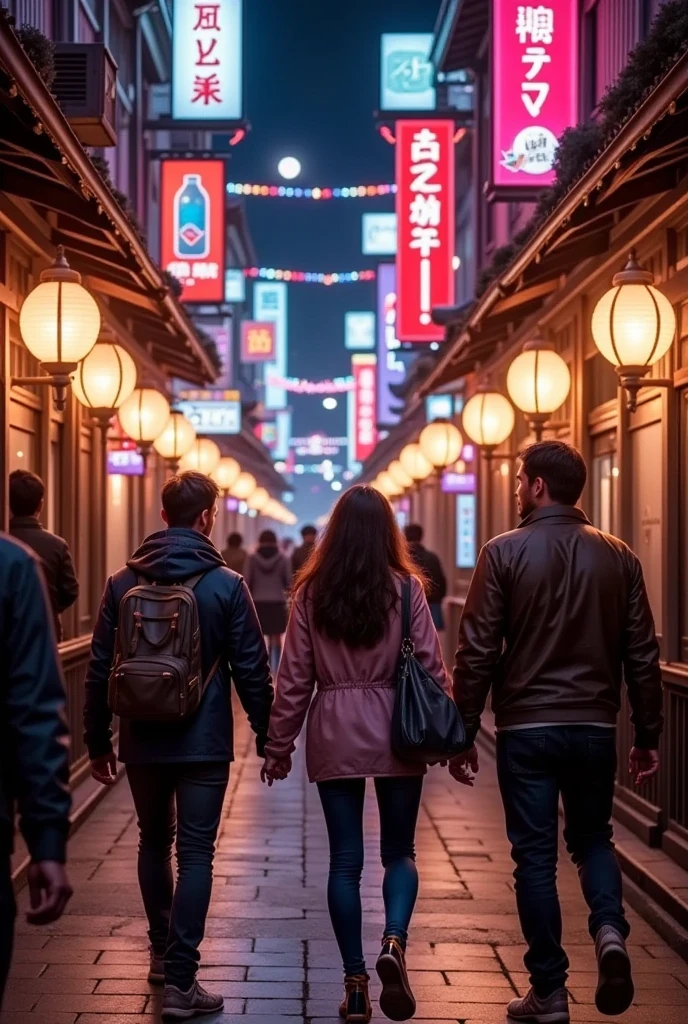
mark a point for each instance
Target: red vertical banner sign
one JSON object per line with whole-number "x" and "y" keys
{"x": 364, "y": 369}
{"x": 425, "y": 225}
{"x": 534, "y": 88}
{"x": 192, "y": 225}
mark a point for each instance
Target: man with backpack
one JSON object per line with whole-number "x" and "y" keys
{"x": 175, "y": 627}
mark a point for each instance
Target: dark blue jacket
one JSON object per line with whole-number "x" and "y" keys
{"x": 230, "y": 632}
{"x": 33, "y": 733}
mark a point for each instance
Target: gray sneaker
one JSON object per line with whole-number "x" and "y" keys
{"x": 615, "y": 988}
{"x": 534, "y": 1010}
{"x": 156, "y": 973}
{"x": 178, "y": 1005}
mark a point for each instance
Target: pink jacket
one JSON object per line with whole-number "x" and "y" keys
{"x": 349, "y": 719}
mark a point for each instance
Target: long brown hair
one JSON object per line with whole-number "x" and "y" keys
{"x": 350, "y": 577}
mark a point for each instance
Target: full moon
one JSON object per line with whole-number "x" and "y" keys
{"x": 289, "y": 167}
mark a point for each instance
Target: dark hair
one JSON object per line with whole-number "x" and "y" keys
{"x": 26, "y": 493}
{"x": 414, "y": 533}
{"x": 235, "y": 540}
{"x": 268, "y": 537}
{"x": 309, "y": 531}
{"x": 186, "y": 496}
{"x": 350, "y": 576}
{"x": 561, "y": 467}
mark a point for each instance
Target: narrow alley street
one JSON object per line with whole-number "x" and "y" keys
{"x": 269, "y": 947}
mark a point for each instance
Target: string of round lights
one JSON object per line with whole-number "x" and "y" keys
{"x": 297, "y": 386}
{"x": 309, "y": 277}
{"x": 243, "y": 188}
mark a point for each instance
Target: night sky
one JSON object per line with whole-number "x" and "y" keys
{"x": 311, "y": 85}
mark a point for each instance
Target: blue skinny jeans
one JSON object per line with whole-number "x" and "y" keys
{"x": 398, "y": 800}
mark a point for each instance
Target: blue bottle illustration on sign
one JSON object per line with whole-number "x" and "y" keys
{"x": 191, "y": 219}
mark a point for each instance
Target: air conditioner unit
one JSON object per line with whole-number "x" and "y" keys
{"x": 85, "y": 86}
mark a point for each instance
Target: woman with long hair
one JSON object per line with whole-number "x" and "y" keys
{"x": 344, "y": 636}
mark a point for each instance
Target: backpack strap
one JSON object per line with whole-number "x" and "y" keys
{"x": 406, "y": 608}
{"x": 193, "y": 581}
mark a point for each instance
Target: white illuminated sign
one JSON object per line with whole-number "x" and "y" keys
{"x": 235, "y": 285}
{"x": 213, "y": 417}
{"x": 270, "y": 304}
{"x": 206, "y": 60}
{"x": 359, "y": 331}
{"x": 465, "y": 531}
{"x": 379, "y": 234}
{"x": 406, "y": 74}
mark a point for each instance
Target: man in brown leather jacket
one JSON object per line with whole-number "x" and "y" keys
{"x": 556, "y": 620}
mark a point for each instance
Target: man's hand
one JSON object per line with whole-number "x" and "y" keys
{"x": 49, "y": 891}
{"x": 643, "y": 764}
{"x": 464, "y": 767}
{"x": 104, "y": 769}
{"x": 275, "y": 769}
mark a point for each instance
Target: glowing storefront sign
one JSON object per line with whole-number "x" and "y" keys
{"x": 391, "y": 361}
{"x": 206, "y": 60}
{"x": 425, "y": 219}
{"x": 359, "y": 331}
{"x": 270, "y": 304}
{"x": 192, "y": 217}
{"x": 212, "y": 412}
{"x": 439, "y": 407}
{"x": 534, "y": 87}
{"x": 406, "y": 74}
{"x": 364, "y": 370}
{"x": 379, "y": 232}
{"x": 257, "y": 341}
{"x": 235, "y": 285}
{"x": 465, "y": 531}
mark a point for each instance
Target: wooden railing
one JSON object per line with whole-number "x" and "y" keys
{"x": 660, "y": 815}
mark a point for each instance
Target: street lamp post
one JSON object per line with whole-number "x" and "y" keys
{"x": 538, "y": 382}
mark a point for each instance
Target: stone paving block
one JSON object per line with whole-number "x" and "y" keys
{"x": 73, "y": 1003}
{"x": 19, "y": 1017}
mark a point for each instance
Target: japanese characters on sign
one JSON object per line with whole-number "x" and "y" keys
{"x": 192, "y": 219}
{"x": 406, "y": 74}
{"x": 465, "y": 531}
{"x": 206, "y": 60}
{"x": 425, "y": 226}
{"x": 359, "y": 331}
{"x": 212, "y": 412}
{"x": 257, "y": 341}
{"x": 534, "y": 87}
{"x": 364, "y": 370}
{"x": 392, "y": 362}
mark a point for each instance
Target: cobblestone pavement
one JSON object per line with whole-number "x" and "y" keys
{"x": 269, "y": 948}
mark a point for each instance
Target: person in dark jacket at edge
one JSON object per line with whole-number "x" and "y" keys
{"x": 268, "y": 579}
{"x": 27, "y": 492}
{"x": 556, "y": 617}
{"x": 300, "y": 555}
{"x": 178, "y": 772}
{"x": 431, "y": 567}
{"x": 34, "y": 766}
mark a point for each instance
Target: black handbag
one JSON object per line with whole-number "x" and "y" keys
{"x": 426, "y": 724}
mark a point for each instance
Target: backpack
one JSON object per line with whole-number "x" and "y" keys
{"x": 156, "y": 674}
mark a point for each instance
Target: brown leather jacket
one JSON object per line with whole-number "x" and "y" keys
{"x": 557, "y": 615}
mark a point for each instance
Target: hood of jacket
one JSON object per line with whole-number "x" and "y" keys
{"x": 175, "y": 555}
{"x": 268, "y": 557}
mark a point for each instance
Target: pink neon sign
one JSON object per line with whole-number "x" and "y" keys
{"x": 534, "y": 87}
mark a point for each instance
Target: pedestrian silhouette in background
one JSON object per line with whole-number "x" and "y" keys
{"x": 556, "y": 618}
{"x": 178, "y": 770}
{"x": 27, "y": 492}
{"x": 34, "y": 768}
{"x": 345, "y": 634}
{"x": 235, "y": 554}
{"x": 269, "y": 581}
{"x": 431, "y": 567}
{"x": 309, "y": 536}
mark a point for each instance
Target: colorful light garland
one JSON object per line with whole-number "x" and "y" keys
{"x": 308, "y": 277}
{"x": 297, "y": 386}
{"x": 243, "y": 188}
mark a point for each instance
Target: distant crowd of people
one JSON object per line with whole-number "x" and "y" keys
{"x": 556, "y": 621}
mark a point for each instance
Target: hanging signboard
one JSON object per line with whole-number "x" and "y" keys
{"x": 392, "y": 363}
{"x": 359, "y": 331}
{"x": 425, "y": 224}
{"x": 534, "y": 89}
{"x": 465, "y": 531}
{"x": 406, "y": 74}
{"x": 235, "y": 285}
{"x": 192, "y": 218}
{"x": 212, "y": 412}
{"x": 125, "y": 461}
{"x": 379, "y": 234}
{"x": 206, "y": 61}
{"x": 270, "y": 304}
{"x": 364, "y": 370}
{"x": 257, "y": 341}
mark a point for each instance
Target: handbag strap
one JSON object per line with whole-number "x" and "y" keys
{"x": 407, "y": 644}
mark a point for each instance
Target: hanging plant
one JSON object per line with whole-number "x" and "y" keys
{"x": 209, "y": 346}
{"x": 40, "y": 50}
{"x": 173, "y": 283}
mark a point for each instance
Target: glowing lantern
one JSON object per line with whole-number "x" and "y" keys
{"x": 203, "y": 457}
{"x": 488, "y": 419}
{"x": 104, "y": 379}
{"x": 441, "y": 443}
{"x": 244, "y": 486}
{"x": 176, "y": 439}
{"x": 144, "y": 415}
{"x": 399, "y": 475}
{"x": 538, "y": 382}
{"x": 414, "y": 462}
{"x": 226, "y": 473}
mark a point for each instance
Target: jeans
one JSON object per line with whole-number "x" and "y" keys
{"x": 7, "y": 915}
{"x": 398, "y": 801}
{"x": 536, "y": 767}
{"x": 186, "y": 799}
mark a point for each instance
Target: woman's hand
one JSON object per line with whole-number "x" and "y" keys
{"x": 275, "y": 769}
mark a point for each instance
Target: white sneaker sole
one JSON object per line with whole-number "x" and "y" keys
{"x": 177, "y": 1013}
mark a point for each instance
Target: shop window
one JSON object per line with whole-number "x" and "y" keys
{"x": 23, "y": 454}
{"x": 605, "y": 474}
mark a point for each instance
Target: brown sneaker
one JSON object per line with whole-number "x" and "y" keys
{"x": 615, "y": 989}
{"x": 156, "y": 973}
{"x": 535, "y": 1009}
{"x": 356, "y": 1006}
{"x": 396, "y": 999}
{"x": 178, "y": 1005}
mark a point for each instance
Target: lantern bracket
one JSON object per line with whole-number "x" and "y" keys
{"x": 633, "y": 378}
{"x": 57, "y": 377}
